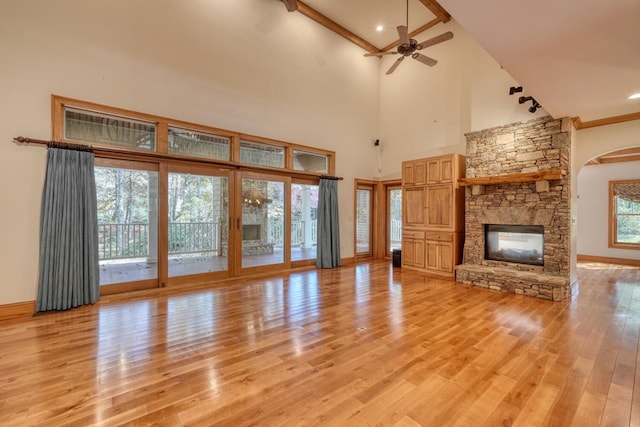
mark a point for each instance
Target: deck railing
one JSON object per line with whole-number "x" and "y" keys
{"x": 131, "y": 240}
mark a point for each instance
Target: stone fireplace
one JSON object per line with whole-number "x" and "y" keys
{"x": 518, "y": 194}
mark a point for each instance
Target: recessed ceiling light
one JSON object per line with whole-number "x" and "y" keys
{"x": 635, "y": 96}
{"x": 379, "y": 28}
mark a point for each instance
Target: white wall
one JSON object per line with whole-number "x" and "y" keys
{"x": 593, "y": 208}
{"x": 425, "y": 111}
{"x": 242, "y": 65}
{"x": 593, "y": 142}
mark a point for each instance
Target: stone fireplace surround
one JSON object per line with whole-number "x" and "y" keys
{"x": 537, "y": 145}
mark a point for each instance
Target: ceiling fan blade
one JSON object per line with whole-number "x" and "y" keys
{"x": 395, "y": 65}
{"x": 435, "y": 40}
{"x": 424, "y": 59}
{"x": 292, "y": 5}
{"x": 379, "y": 54}
{"x": 403, "y": 33}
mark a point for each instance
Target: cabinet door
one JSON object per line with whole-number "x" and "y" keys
{"x": 432, "y": 255}
{"x": 418, "y": 253}
{"x": 440, "y": 205}
{"x": 439, "y": 256}
{"x": 446, "y": 170}
{"x": 413, "y": 173}
{"x": 445, "y": 257}
{"x": 414, "y": 206}
{"x": 413, "y": 253}
{"x": 440, "y": 170}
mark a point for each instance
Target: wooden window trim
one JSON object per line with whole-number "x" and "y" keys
{"x": 613, "y": 217}
{"x": 58, "y": 104}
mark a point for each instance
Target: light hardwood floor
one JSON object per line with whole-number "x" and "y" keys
{"x": 359, "y": 345}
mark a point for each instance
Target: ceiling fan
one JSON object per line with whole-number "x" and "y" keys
{"x": 292, "y": 5}
{"x": 409, "y": 46}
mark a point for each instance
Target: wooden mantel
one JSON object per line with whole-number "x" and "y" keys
{"x": 548, "y": 175}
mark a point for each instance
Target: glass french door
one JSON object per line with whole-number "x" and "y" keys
{"x": 197, "y": 223}
{"x": 263, "y": 223}
{"x": 394, "y": 218}
{"x": 364, "y": 220}
{"x": 127, "y": 207}
{"x": 304, "y": 213}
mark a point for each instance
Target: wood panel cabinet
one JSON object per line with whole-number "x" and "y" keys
{"x": 433, "y": 214}
{"x": 414, "y": 206}
{"x": 414, "y": 172}
{"x": 440, "y": 169}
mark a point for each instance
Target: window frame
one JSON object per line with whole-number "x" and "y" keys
{"x": 613, "y": 217}
{"x": 60, "y": 103}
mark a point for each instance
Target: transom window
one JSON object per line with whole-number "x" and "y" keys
{"x": 134, "y": 133}
{"x": 624, "y": 206}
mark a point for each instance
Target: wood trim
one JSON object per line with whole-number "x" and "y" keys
{"x": 118, "y": 288}
{"x": 162, "y": 123}
{"x": 437, "y": 10}
{"x": 313, "y": 14}
{"x": 17, "y": 310}
{"x": 620, "y": 159}
{"x": 347, "y": 261}
{"x": 549, "y": 175}
{"x": 412, "y": 34}
{"x": 608, "y": 260}
{"x": 579, "y": 124}
{"x": 613, "y": 217}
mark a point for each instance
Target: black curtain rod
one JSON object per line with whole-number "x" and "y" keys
{"x": 51, "y": 143}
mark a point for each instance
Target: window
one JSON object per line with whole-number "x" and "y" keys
{"x": 364, "y": 219}
{"x": 624, "y": 208}
{"x": 199, "y": 144}
{"x": 181, "y": 203}
{"x": 254, "y": 153}
{"x": 310, "y": 162}
{"x": 88, "y": 126}
{"x": 133, "y": 135}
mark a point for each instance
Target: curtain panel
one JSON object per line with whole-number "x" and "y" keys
{"x": 69, "y": 272}
{"x": 328, "y": 240}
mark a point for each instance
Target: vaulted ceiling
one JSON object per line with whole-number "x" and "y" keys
{"x": 578, "y": 58}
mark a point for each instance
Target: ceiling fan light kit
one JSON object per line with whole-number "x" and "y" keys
{"x": 409, "y": 46}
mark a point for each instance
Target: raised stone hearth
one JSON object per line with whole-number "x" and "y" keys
{"x": 538, "y": 145}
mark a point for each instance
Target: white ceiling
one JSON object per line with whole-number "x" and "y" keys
{"x": 578, "y": 58}
{"x": 362, "y": 16}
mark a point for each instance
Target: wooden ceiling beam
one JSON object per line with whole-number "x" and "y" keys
{"x": 437, "y": 10}
{"x": 412, "y": 34}
{"x": 309, "y": 12}
{"x": 579, "y": 124}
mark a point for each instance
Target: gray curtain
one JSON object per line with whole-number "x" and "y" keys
{"x": 69, "y": 274}
{"x": 328, "y": 253}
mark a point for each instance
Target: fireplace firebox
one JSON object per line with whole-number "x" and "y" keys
{"x": 523, "y": 244}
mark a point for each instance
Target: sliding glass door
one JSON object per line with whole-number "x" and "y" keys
{"x": 166, "y": 224}
{"x": 263, "y": 221}
{"x": 127, "y": 206}
{"x": 197, "y": 222}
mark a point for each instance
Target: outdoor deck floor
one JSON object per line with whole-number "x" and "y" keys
{"x": 134, "y": 269}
